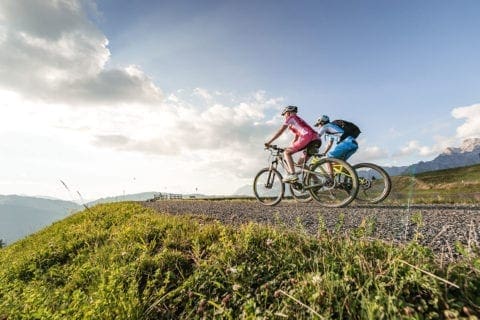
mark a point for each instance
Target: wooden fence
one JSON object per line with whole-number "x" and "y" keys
{"x": 167, "y": 196}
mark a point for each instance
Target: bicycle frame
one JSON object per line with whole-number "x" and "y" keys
{"x": 277, "y": 154}
{"x": 330, "y": 181}
{"x": 333, "y": 170}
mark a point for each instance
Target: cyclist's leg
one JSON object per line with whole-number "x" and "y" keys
{"x": 288, "y": 157}
{"x": 310, "y": 149}
{"x": 349, "y": 154}
{"x": 353, "y": 148}
{"x": 344, "y": 149}
{"x": 303, "y": 158}
{"x": 291, "y": 176}
{"x": 300, "y": 144}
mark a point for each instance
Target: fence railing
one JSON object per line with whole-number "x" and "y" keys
{"x": 167, "y": 196}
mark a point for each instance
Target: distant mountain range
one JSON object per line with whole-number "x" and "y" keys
{"x": 21, "y": 216}
{"x": 127, "y": 197}
{"x": 467, "y": 154}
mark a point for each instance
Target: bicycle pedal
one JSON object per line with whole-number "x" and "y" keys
{"x": 297, "y": 186}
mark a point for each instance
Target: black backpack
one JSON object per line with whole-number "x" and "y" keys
{"x": 349, "y": 129}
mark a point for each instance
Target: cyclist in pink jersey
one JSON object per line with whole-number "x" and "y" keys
{"x": 304, "y": 134}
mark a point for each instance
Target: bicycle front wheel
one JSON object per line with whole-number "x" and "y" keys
{"x": 268, "y": 186}
{"x": 374, "y": 183}
{"x": 332, "y": 182}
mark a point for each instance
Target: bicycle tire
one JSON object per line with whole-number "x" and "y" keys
{"x": 374, "y": 183}
{"x": 268, "y": 187}
{"x": 334, "y": 193}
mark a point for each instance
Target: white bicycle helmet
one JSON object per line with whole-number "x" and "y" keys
{"x": 289, "y": 109}
{"x": 322, "y": 120}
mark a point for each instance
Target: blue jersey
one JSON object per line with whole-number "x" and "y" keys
{"x": 331, "y": 131}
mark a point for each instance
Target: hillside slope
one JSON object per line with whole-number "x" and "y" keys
{"x": 466, "y": 155}
{"x": 457, "y": 185}
{"x": 22, "y": 215}
{"x": 124, "y": 261}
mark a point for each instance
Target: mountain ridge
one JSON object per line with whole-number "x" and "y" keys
{"x": 23, "y": 215}
{"x": 452, "y": 157}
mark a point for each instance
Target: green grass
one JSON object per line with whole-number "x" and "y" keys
{"x": 123, "y": 261}
{"x": 454, "y": 186}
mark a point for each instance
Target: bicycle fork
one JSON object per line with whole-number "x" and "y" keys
{"x": 271, "y": 176}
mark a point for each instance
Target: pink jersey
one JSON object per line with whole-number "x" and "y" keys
{"x": 304, "y": 133}
{"x": 299, "y": 127}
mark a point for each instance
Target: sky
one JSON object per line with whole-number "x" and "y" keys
{"x": 117, "y": 97}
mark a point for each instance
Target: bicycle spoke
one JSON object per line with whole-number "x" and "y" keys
{"x": 268, "y": 186}
{"x": 374, "y": 183}
{"x": 332, "y": 182}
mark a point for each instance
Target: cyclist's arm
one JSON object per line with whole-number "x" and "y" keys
{"x": 295, "y": 139}
{"x": 326, "y": 131}
{"x": 277, "y": 134}
{"x": 329, "y": 145}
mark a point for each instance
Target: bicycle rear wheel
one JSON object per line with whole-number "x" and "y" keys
{"x": 374, "y": 183}
{"x": 332, "y": 182}
{"x": 268, "y": 186}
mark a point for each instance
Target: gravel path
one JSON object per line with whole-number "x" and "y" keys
{"x": 439, "y": 226}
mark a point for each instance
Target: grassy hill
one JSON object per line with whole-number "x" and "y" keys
{"x": 458, "y": 185}
{"x": 123, "y": 261}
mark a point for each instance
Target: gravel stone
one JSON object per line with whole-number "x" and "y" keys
{"x": 438, "y": 227}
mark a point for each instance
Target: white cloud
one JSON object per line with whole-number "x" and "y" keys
{"x": 202, "y": 93}
{"x": 50, "y": 50}
{"x": 370, "y": 153}
{"x": 53, "y": 53}
{"x": 414, "y": 147}
{"x": 471, "y": 127}
{"x": 175, "y": 145}
{"x": 176, "y": 126}
{"x": 53, "y": 60}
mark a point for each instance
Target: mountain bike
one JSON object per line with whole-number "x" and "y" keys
{"x": 331, "y": 182}
{"x": 374, "y": 183}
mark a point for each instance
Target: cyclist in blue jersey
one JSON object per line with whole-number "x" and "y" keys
{"x": 344, "y": 148}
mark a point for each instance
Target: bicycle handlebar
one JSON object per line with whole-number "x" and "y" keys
{"x": 274, "y": 147}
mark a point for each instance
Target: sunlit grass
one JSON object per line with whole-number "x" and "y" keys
{"x": 123, "y": 261}
{"x": 450, "y": 186}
